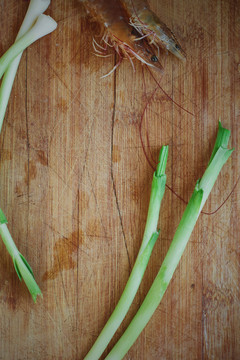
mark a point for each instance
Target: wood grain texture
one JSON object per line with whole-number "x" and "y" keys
{"x": 75, "y": 185}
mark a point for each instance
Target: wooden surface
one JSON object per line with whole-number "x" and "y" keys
{"x": 75, "y": 185}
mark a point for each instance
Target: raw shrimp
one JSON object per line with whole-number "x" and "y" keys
{"x": 148, "y": 24}
{"x": 119, "y": 34}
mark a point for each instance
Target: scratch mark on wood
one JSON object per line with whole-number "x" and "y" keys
{"x": 60, "y": 330}
{"x": 98, "y": 210}
{"x": 112, "y": 176}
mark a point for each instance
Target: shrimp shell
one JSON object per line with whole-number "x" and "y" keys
{"x": 118, "y": 33}
{"x": 149, "y": 25}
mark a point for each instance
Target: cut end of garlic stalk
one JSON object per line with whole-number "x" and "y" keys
{"x": 162, "y": 163}
{"x": 3, "y": 219}
{"x": 25, "y": 272}
{"x": 222, "y": 140}
{"x": 23, "y": 269}
{"x": 44, "y": 25}
{"x": 35, "y": 8}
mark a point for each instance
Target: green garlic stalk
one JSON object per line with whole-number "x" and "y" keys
{"x": 43, "y": 26}
{"x": 201, "y": 192}
{"x": 35, "y": 8}
{"x": 35, "y": 25}
{"x": 21, "y": 265}
{"x": 149, "y": 239}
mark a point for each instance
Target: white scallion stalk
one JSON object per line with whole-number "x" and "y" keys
{"x": 202, "y": 189}
{"x": 43, "y": 26}
{"x": 149, "y": 238}
{"x": 21, "y": 265}
{"x": 35, "y": 8}
{"x": 34, "y": 26}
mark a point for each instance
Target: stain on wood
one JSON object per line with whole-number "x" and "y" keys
{"x": 42, "y": 157}
{"x": 63, "y": 250}
{"x": 30, "y": 171}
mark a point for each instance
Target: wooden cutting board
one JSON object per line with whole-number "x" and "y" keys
{"x": 75, "y": 177}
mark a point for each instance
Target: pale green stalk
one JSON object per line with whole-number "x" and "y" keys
{"x": 43, "y": 26}
{"x": 21, "y": 265}
{"x": 149, "y": 239}
{"x": 201, "y": 192}
{"x": 35, "y": 8}
{"x": 34, "y": 26}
